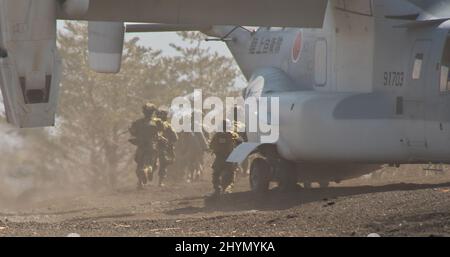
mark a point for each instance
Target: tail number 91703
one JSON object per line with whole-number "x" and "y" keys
{"x": 394, "y": 79}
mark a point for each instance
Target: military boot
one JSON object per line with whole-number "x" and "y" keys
{"x": 215, "y": 194}
{"x": 149, "y": 174}
{"x": 139, "y": 186}
{"x": 228, "y": 190}
{"x": 161, "y": 183}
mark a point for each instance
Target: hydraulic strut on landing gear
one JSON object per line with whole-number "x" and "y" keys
{"x": 264, "y": 170}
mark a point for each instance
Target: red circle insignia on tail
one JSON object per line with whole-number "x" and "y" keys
{"x": 297, "y": 48}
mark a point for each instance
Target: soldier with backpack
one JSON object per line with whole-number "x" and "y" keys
{"x": 222, "y": 144}
{"x": 144, "y": 135}
{"x": 166, "y": 144}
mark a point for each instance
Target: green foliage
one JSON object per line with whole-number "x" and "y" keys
{"x": 197, "y": 67}
{"x": 89, "y": 145}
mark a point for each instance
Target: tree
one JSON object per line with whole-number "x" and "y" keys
{"x": 89, "y": 145}
{"x": 96, "y": 109}
{"x": 197, "y": 67}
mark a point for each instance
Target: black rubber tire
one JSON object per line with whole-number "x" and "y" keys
{"x": 287, "y": 177}
{"x": 307, "y": 185}
{"x": 260, "y": 176}
{"x": 324, "y": 184}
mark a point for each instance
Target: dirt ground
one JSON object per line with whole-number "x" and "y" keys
{"x": 398, "y": 202}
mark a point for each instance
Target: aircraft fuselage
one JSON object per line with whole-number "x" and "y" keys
{"x": 372, "y": 86}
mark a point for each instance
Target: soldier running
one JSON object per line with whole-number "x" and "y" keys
{"x": 222, "y": 144}
{"x": 144, "y": 135}
{"x": 166, "y": 144}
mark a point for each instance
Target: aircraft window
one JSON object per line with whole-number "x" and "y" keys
{"x": 445, "y": 68}
{"x": 417, "y": 68}
{"x": 320, "y": 63}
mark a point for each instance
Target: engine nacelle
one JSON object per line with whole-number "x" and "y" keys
{"x": 30, "y": 67}
{"x": 75, "y": 8}
{"x": 106, "y": 46}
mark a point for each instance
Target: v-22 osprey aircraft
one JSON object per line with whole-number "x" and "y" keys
{"x": 361, "y": 83}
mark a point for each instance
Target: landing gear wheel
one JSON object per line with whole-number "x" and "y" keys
{"x": 260, "y": 176}
{"x": 288, "y": 176}
{"x": 324, "y": 184}
{"x": 307, "y": 185}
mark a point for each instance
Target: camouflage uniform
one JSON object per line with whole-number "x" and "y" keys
{"x": 144, "y": 134}
{"x": 166, "y": 144}
{"x": 198, "y": 147}
{"x": 222, "y": 144}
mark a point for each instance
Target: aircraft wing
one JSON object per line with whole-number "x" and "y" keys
{"x": 30, "y": 66}
{"x": 283, "y": 13}
{"x": 433, "y": 9}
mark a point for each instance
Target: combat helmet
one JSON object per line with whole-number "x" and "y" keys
{"x": 148, "y": 109}
{"x": 162, "y": 114}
